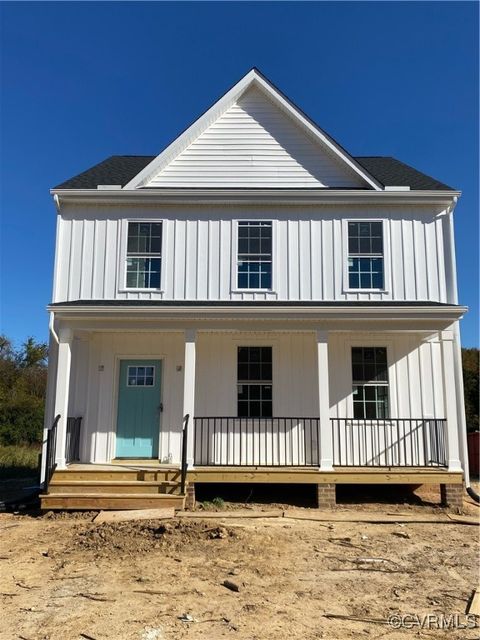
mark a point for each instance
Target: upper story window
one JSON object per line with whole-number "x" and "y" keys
{"x": 254, "y": 256}
{"x": 144, "y": 255}
{"x": 254, "y": 377}
{"x": 365, "y": 255}
{"x": 370, "y": 382}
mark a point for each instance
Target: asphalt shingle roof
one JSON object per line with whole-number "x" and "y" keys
{"x": 119, "y": 170}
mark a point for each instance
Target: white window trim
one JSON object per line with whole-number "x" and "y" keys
{"x": 234, "y": 288}
{"x": 122, "y": 259}
{"x": 386, "y": 255}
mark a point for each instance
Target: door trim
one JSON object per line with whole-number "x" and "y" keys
{"x": 112, "y": 445}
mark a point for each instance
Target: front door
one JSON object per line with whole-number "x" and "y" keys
{"x": 138, "y": 416}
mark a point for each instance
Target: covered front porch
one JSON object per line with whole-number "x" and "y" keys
{"x": 308, "y": 416}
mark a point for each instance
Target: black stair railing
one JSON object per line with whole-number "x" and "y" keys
{"x": 183, "y": 476}
{"x": 51, "y": 450}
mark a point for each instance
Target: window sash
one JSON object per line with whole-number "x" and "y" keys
{"x": 366, "y": 265}
{"x": 254, "y": 254}
{"x": 144, "y": 255}
{"x": 254, "y": 382}
{"x": 370, "y": 382}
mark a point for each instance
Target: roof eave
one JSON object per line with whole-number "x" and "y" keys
{"x": 277, "y": 196}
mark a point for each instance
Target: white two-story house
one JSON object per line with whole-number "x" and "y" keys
{"x": 254, "y": 304}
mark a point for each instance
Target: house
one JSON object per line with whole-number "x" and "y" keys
{"x": 254, "y": 304}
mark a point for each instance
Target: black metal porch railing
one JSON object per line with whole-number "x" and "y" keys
{"x": 256, "y": 442}
{"x": 183, "y": 476}
{"x": 389, "y": 442}
{"x": 51, "y": 448}
{"x": 72, "y": 444}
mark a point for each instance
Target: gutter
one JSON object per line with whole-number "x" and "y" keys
{"x": 253, "y": 196}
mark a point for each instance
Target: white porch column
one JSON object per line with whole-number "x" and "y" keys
{"x": 189, "y": 390}
{"x": 325, "y": 435}
{"x": 450, "y": 399}
{"x": 62, "y": 388}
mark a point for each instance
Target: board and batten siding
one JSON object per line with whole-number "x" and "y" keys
{"x": 255, "y": 143}
{"x": 415, "y": 378}
{"x": 199, "y": 253}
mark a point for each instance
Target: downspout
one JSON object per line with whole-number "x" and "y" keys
{"x": 461, "y": 418}
{"x": 52, "y": 328}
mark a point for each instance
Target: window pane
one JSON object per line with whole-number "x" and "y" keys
{"x": 365, "y": 245}
{"x": 358, "y": 410}
{"x": 376, "y": 229}
{"x": 365, "y": 281}
{"x": 377, "y": 280}
{"x": 254, "y": 410}
{"x": 242, "y": 409}
{"x": 267, "y": 392}
{"x": 353, "y": 245}
{"x": 254, "y": 371}
{"x": 364, "y": 229}
{"x": 354, "y": 281}
{"x": 254, "y": 392}
{"x": 267, "y": 411}
{"x": 266, "y": 372}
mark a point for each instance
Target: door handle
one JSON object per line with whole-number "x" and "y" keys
{"x": 160, "y": 407}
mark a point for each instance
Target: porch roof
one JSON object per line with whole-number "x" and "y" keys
{"x": 287, "y": 315}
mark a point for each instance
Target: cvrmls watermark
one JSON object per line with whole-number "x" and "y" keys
{"x": 433, "y": 621}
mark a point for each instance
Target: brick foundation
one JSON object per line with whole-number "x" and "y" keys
{"x": 326, "y": 496}
{"x": 452, "y": 496}
{"x": 190, "y": 497}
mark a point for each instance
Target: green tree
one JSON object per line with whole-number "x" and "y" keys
{"x": 471, "y": 381}
{"x": 23, "y": 378}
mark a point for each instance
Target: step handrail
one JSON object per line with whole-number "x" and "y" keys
{"x": 51, "y": 450}
{"x": 183, "y": 476}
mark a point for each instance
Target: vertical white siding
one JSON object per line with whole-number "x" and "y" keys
{"x": 199, "y": 251}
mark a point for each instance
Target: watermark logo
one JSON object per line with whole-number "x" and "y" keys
{"x": 430, "y": 621}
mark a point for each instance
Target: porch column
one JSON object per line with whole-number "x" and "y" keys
{"x": 189, "y": 390}
{"x": 450, "y": 400}
{"x": 325, "y": 431}
{"x": 62, "y": 388}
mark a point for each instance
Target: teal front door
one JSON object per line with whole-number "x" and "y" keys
{"x": 139, "y": 404}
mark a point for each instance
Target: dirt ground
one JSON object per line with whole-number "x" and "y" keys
{"x": 63, "y": 577}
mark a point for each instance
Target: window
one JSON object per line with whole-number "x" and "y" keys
{"x": 370, "y": 382}
{"x": 254, "y": 374}
{"x": 254, "y": 265}
{"x": 140, "y": 376}
{"x": 144, "y": 255}
{"x": 365, "y": 255}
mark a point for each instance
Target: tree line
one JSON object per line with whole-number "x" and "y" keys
{"x": 23, "y": 383}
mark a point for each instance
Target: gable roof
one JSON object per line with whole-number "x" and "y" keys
{"x": 120, "y": 170}
{"x": 254, "y": 80}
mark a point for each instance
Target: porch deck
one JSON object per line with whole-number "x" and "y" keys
{"x": 135, "y": 484}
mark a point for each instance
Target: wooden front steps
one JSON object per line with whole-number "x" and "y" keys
{"x": 110, "y": 501}
{"x": 107, "y": 488}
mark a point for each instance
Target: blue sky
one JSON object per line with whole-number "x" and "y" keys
{"x": 82, "y": 81}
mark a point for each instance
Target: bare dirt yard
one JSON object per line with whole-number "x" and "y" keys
{"x": 64, "y": 577}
